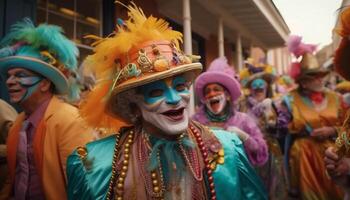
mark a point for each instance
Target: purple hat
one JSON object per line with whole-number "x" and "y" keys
{"x": 219, "y": 72}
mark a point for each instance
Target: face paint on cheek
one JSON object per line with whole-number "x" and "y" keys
{"x": 169, "y": 111}
{"x": 170, "y": 124}
{"x": 31, "y": 83}
{"x": 153, "y": 92}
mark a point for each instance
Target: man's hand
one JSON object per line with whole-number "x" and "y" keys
{"x": 337, "y": 168}
{"x": 323, "y": 132}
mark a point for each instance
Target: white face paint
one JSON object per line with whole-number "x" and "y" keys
{"x": 217, "y": 103}
{"x": 171, "y": 120}
{"x": 165, "y": 105}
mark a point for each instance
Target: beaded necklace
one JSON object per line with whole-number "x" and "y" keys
{"x": 116, "y": 184}
{"x": 119, "y": 178}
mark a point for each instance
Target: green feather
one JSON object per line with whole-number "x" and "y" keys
{"x": 44, "y": 37}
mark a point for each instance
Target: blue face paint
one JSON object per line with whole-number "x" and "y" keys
{"x": 258, "y": 84}
{"x": 29, "y": 92}
{"x": 30, "y": 83}
{"x": 169, "y": 90}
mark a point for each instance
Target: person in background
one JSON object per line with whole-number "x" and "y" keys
{"x": 7, "y": 116}
{"x": 38, "y": 64}
{"x": 314, "y": 115}
{"x": 260, "y": 105}
{"x": 218, "y": 91}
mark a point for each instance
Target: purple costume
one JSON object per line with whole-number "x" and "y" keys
{"x": 220, "y": 72}
{"x": 255, "y": 145}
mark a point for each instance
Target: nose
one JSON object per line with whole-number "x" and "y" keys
{"x": 172, "y": 97}
{"x": 11, "y": 80}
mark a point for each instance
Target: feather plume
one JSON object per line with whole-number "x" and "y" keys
{"x": 138, "y": 28}
{"x": 297, "y": 47}
{"x": 93, "y": 110}
{"x": 134, "y": 31}
{"x": 295, "y": 70}
{"x": 47, "y": 37}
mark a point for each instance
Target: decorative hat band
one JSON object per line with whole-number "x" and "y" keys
{"x": 150, "y": 57}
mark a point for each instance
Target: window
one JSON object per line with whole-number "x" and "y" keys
{"x": 78, "y": 18}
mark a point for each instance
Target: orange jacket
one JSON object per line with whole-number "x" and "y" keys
{"x": 58, "y": 133}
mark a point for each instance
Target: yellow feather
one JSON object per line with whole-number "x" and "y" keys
{"x": 243, "y": 74}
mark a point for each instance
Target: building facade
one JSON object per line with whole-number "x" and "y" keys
{"x": 235, "y": 29}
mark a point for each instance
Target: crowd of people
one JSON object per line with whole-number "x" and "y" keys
{"x": 254, "y": 134}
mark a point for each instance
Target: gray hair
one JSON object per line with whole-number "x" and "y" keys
{"x": 124, "y": 105}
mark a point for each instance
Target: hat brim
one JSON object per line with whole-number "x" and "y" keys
{"x": 48, "y": 71}
{"x": 230, "y": 83}
{"x": 269, "y": 78}
{"x": 191, "y": 71}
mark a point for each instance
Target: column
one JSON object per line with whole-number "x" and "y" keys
{"x": 239, "y": 53}
{"x": 187, "y": 26}
{"x": 221, "y": 38}
{"x": 188, "y": 44}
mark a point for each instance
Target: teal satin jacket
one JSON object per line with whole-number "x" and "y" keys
{"x": 235, "y": 179}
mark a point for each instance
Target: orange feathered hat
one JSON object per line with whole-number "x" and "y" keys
{"x": 142, "y": 50}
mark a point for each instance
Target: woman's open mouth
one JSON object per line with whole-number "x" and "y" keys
{"x": 214, "y": 102}
{"x": 174, "y": 115}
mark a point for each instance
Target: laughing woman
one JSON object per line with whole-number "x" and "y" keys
{"x": 218, "y": 90}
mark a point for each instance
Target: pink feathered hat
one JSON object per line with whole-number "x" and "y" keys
{"x": 220, "y": 72}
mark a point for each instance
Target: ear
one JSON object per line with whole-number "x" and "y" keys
{"x": 45, "y": 85}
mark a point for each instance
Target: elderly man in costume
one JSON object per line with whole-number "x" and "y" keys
{"x": 144, "y": 80}
{"x": 36, "y": 63}
{"x": 337, "y": 159}
{"x": 259, "y": 104}
{"x": 218, "y": 90}
{"x": 314, "y": 115}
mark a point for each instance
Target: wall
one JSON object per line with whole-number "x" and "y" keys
{"x": 212, "y": 52}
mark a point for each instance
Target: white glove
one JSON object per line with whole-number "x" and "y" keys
{"x": 243, "y": 136}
